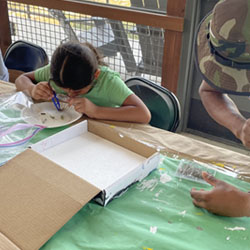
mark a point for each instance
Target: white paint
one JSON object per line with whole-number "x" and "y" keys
{"x": 235, "y": 228}
{"x": 121, "y": 135}
{"x": 165, "y": 202}
{"x": 165, "y": 178}
{"x": 147, "y": 184}
{"x": 158, "y": 208}
{"x": 61, "y": 137}
{"x": 161, "y": 161}
{"x": 183, "y": 213}
{"x": 96, "y": 160}
{"x": 153, "y": 230}
{"x": 147, "y": 143}
{"x": 158, "y": 194}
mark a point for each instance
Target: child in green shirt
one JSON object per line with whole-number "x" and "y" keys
{"x": 78, "y": 72}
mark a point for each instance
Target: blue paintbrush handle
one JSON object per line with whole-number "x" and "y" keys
{"x": 56, "y": 101}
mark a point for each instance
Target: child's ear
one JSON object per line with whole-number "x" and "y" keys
{"x": 97, "y": 73}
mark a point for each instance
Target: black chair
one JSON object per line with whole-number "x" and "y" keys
{"x": 162, "y": 103}
{"x": 25, "y": 56}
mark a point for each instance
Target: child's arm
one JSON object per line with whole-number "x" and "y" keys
{"x": 39, "y": 91}
{"x": 132, "y": 110}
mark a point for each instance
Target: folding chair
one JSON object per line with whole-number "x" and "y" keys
{"x": 162, "y": 103}
{"x": 25, "y": 56}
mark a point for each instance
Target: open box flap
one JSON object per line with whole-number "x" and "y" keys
{"x": 37, "y": 198}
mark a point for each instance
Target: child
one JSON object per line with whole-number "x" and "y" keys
{"x": 78, "y": 72}
{"x": 4, "y": 74}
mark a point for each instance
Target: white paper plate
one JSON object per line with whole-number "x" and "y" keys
{"x": 46, "y": 114}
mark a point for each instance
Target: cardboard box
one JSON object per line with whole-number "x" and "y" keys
{"x": 43, "y": 187}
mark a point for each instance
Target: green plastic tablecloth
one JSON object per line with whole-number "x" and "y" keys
{"x": 156, "y": 213}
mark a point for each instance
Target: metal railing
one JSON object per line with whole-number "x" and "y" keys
{"x": 133, "y": 43}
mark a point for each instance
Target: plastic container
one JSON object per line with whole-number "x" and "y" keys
{"x": 192, "y": 170}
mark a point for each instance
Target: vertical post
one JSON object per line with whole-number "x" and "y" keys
{"x": 172, "y": 48}
{"x": 5, "y": 35}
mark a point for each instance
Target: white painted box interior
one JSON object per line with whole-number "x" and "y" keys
{"x": 104, "y": 164}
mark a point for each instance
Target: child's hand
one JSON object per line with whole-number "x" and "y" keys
{"x": 41, "y": 91}
{"x": 84, "y": 106}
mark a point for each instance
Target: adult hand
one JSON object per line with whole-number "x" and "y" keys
{"x": 41, "y": 91}
{"x": 244, "y": 135}
{"x": 224, "y": 199}
{"x": 84, "y": 106}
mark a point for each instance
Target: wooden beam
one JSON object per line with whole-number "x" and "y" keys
{"x": 171, "y": 60}
{"x": 168, "y": 22}
{"x": 172, "y": 48}
{"x": 176, "y": 7}
{"x": 5, "y": 35}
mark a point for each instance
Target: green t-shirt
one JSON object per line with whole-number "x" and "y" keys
{"x": 109, "y": 90}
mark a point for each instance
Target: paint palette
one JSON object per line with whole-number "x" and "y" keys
{"x": 191, "y": 170}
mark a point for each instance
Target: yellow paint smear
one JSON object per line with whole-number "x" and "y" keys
{"x": 200, "y": 214}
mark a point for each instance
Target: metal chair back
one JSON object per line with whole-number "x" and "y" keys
{"x": 162, "y": 103}
{"x": 25, "y": 56}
